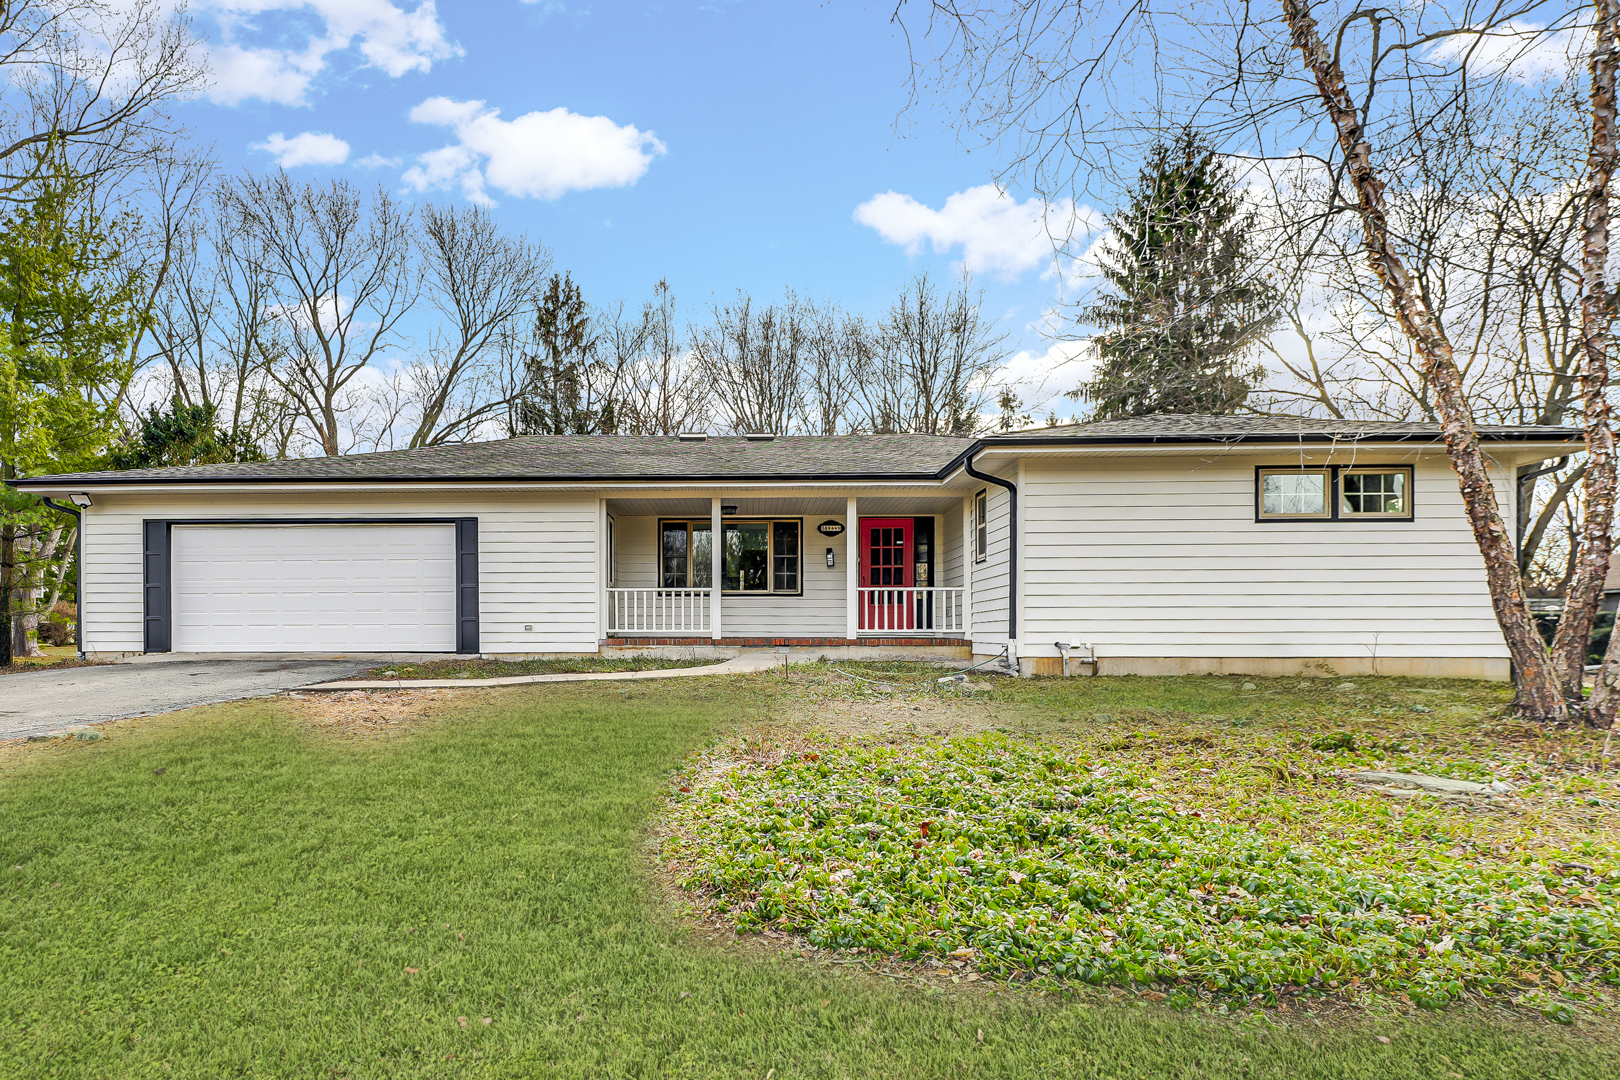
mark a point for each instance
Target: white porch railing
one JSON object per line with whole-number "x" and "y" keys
{"x": 658, "y": 612}
{"x": 892, "y": 611}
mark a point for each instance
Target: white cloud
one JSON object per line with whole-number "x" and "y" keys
{"x": 385, "y": 35}
{"x": 538, "y": 155}
{"x": 996, "y": 233}
{"x": 377, "y": 161}
{"x": 309, "y": 148}
{"x": 1042, "y": 378}
{"x": 1523, "y": 52}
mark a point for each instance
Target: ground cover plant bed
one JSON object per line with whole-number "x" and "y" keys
{"x": 262, "y": 889}
{"x": 1020, "y": 860}
{"x": 569, "y": 665}
{"x": 1120, "y": 831}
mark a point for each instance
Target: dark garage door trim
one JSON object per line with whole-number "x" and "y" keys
{"x": 158, "y": 577}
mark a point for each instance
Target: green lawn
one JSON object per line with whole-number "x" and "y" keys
{"x": 224, "y": 893}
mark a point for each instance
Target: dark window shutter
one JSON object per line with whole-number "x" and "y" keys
{"x": 155, "y": 573}
{"x": 467, "y": 585}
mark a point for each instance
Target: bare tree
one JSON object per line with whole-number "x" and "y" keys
{"x": 341, "y": 275}
{"x": 89, "y": 82}
{"x": 1038, "y": 70}
{"x": 218, "y": 331}
{"x": 483, "y": 283}
{"x": 931, "y": 365}
{"x": 752, "y": 357}
{"x": 837, "y": 349}
{"x": 663, "y": 389}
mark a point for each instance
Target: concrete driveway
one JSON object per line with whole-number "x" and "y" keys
{"x": 42, "y": 702}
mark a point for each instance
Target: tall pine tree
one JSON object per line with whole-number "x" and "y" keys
{"x": 1189, "y": 299}
{"x": 562, "y": 396}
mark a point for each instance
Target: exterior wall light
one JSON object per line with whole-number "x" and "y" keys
{"x": 831, "y": 561}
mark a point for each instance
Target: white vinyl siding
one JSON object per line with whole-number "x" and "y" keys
{"x": 537, "y": 561}
{"x": 989, "y": 606}
{"x": 1146, "y": 558}
{"x": 313, "y": 588}
{"x": 948, "y": 538}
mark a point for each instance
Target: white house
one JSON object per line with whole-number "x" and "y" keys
{"x": 1160, "y": 545}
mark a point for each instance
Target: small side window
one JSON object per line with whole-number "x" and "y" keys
{"x": 1294, "y": 493}
{"x": 981, "y": 526}
{"x": 612, "y": 556}
{"x": 1367, "y": 493}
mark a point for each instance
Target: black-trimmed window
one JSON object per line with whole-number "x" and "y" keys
{"x": 757, "y": 556}
{"x": 1295, "y": 493}
{"x": 981, "y": 526}
{"x": 1333, "y": 493}
{"x": 685, "y": 554}
{"x": 1375, "y": 493}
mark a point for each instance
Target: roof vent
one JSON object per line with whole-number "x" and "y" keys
{"x": 760, "y": 436}
{"x": 693, "y": 436}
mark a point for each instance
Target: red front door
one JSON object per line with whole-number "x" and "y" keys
{"x": 886, "y": 574}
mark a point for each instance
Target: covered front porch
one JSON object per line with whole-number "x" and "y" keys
{"x": 790, "y": 569}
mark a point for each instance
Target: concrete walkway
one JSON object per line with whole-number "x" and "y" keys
{"x": 739, "y": 665}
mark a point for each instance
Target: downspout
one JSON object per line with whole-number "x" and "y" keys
{"x": 78, "y": 558}
{"x": 1012, "y": 543}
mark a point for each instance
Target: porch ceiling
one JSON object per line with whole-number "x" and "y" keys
{"x": 790, "y": 506}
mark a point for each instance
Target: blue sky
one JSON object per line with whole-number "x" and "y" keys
{"x": 716, "y": 143}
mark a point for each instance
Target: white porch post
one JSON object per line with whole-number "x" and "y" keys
{"x": 970, "y": 536}
{"x": 603, "y": 572}
{"x": 852, "y": 569}
{"x": 716, "y": 562}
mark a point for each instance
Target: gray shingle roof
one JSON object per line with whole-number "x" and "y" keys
{"x": 799, "y": 457}
{"x": 591, "y": 457}
{"x": 1193, "y": 427}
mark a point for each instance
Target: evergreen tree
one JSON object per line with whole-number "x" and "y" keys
{"x": 1189, "y": 299}
{"x": 185, "y": 435}
{"x": 560, "y": 368}
{"x": 67, "y": 316}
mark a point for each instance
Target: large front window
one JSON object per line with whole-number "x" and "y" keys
{"x": 756, "y": 556}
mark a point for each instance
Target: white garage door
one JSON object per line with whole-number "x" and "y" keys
{"x": 313, "y": 588}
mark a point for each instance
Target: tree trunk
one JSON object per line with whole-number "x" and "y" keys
{"x": 8, "y": 546}
{"x": 1581, "y": 601}
{"x": 69, "y": 552}
{"x": 1540, "y": 696}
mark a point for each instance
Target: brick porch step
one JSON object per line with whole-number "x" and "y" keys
{"x": 785, "y": 642}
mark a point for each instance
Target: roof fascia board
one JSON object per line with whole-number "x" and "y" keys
{"x": 1206, "y": 449}
{"x": 1293, "y": 439}
{"x": 1067, "y": 444}
{"x": 47, "y": 485}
